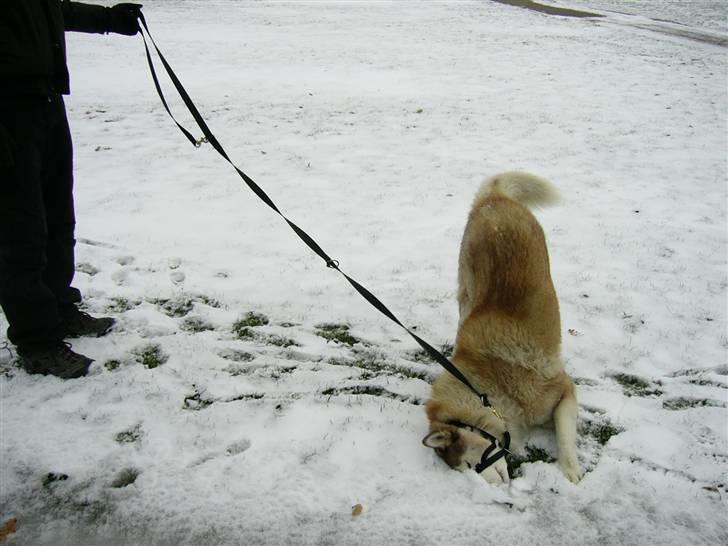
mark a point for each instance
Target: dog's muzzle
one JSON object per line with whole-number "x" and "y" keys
{"x": 494, "y": 452}
{"x": 488, "y": 458}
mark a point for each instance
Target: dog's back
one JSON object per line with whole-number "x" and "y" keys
{"x": 508, "y": 306}
{"x": 509, "y": 337}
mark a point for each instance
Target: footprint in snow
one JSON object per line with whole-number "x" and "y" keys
{"x": 177, "y": 277}
{"x": 125, "y": 260}
{"x": 238, "y": 447}
{"x": 87, "y": 268}
{"x": 120, "y": 277}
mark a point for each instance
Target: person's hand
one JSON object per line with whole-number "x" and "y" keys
{"x": 124, "y": 18}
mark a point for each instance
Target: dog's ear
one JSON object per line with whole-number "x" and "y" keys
{"x": 439, "y": 439}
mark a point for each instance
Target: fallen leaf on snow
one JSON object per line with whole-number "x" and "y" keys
{"x": 357, "y": 509}
{"x": 8, "y": 528}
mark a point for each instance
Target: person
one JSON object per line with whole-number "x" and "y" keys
{"x": 37, "y": 218}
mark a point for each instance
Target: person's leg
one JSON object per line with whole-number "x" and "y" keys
{"x": 29, "y": 305}
{"x": 57, "y": 181}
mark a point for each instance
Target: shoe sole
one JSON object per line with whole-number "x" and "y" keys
{"x": 69, "y": 373}
{"x": 82, "y": 372}
{"x": 75, "y": 335}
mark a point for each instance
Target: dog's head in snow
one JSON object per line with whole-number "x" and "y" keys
{"x": 466, "y": 448}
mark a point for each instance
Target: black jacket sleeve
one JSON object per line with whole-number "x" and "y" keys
{"x": 85, "y": 17}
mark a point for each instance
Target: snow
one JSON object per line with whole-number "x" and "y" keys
{"x": 371, "y": 124}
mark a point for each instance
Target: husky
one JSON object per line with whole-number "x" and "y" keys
{"x": 508, "y": 342}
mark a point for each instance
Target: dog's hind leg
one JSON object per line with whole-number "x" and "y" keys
{"x": 565, "y": 425}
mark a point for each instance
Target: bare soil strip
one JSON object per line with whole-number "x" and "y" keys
{"x": 551, "y": 10}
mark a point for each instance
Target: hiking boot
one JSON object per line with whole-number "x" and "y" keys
{"x": 58, "y": 360}
{"x": 76, "y": 323}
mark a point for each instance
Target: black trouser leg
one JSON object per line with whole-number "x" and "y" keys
{"x": 36, "y": 220}
{"x": 60, "y": 217}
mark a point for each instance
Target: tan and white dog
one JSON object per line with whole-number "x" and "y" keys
{"x": 509, "y": 336}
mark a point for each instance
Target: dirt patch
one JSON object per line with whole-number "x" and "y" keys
{"x": 551, "y": 10}
{"x": 662, "y": 27}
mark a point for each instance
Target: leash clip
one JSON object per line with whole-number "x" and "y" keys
{"x": 200, "y": 142}
{"x": 332, "y": 264}
{"x": 486, "y": 404}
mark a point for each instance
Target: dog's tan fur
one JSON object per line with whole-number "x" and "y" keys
{"x": 509, "y": 335}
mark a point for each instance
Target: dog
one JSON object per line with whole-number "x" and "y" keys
{"x": 508, "y": 342}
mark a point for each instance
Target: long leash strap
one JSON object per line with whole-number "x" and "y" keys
{"x": 209, "y": 137}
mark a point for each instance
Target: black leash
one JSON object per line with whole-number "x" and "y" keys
{"x": 310, "y": 242}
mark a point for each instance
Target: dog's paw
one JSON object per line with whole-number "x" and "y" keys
{"x": 497, "y": 474}
{"x": 572, "y": 471}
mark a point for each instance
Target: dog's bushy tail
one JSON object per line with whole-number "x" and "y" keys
{"x": 528, "y": 189}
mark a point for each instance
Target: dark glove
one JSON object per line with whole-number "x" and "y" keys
{"x": 124, "y": 18}
{"x": 6, "y": 149}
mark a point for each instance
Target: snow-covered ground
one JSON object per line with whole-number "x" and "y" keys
{"x": 371, "y": 124}
{"x": 697, "y": 14}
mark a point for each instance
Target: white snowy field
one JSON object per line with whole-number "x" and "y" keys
{"x": 371, "y": 124}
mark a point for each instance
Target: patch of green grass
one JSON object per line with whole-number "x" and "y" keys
{"x": 423, "y": 356}
{"x": 235, "y": 371}
{"x": 702, "y": 382}
{"x": 338, "y": 333}
{"x": 236, "y": 356}
{"x": 371, "y": 390}
{"x": 243, "y": 332}
{"x": 274, "y": 372}
{"x": 178, "y": 306}
{"x": 601, "y": 430}
{"x": 243, "y": 327}
{"x": 585, "y": 381}
{"x": 129, "y": 436}
{"x": 280, "y": 371}
{"x": 150, "y": 356}
{"x": 252, "y": 319}
{"x": 683, "y": 402}
{"x": 376, "y": 364}
{"x": 196, "y": 325}
{"x": 633, "y": 385}
{"x": 533, "y": 454}
{"x": 279, "y": 341}
{"x": 182, "y": 304}
{"x": 248, "y": 334}
{"x": 249, "y": 396}
{"x": 210, "y": 302}
{"x": 122, "y": 305}
{"x": 112, "y": 365}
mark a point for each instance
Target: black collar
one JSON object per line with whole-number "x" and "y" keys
{"x": 488, "y": 458}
